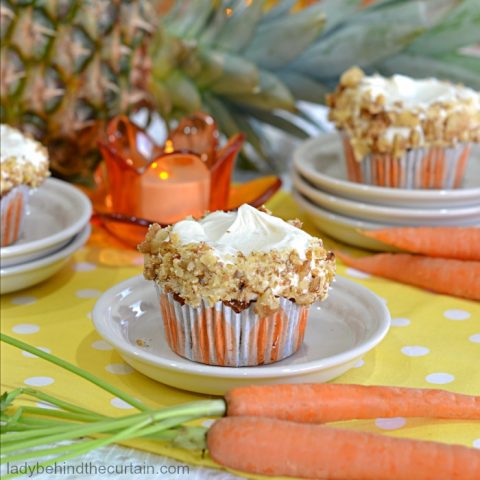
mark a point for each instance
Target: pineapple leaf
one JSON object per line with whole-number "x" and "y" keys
{"x": 368, "y": 38}
{"x": 183, "y": 93}
{"x": 217, "y": 21}
{"x": 279, "y": 10}
{"x": 304, "y": 87}
{"x": 254, "y": 137}
{"x": 280, "y": 41}
{"x": 277, "y": 120}
{"x": 461, "y": 27}
{"x": 238, "y": 29}
{"x": 221, "y": 113}
{"x": 271, "y": 93}
{"x": 226, "y": 73}
{"x": 337, "y": 11}
{"x": 188, "y": 17}
{"x": 453, "y": 66}
{"x": 231, "y": 121}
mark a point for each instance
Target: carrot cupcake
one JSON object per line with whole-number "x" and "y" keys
{"x": 235, "y": 287}
{"x": 405, "y": 133}
{"x": 24, "y": 165}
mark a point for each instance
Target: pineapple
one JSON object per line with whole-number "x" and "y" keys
{"x": 67, "y": 66}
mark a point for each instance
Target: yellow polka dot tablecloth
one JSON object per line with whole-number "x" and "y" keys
{"x": 434, "y": 341}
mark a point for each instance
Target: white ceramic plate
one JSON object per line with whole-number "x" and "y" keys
{"x": 57, "y": 211}
{"x": 320, "y": 160}
{"x": 393, "y": 215}
{"x": 28, "y": 274}
{"x": 342, "y": 228}
{"x": 349, "y": 323}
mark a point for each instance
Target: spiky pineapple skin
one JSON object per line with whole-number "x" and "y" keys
{"x": 68, "y": 66}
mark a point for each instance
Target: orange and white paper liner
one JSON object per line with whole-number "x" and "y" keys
{"x": 12, "y": 210}
{"x": 422, "y": 168}
{"x": 217, "y": 335}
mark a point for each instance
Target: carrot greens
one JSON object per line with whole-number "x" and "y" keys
{"x": 24, "y": 429}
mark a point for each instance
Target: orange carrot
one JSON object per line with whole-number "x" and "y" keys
{"x": 462, "y": 243}
{"x": 324, "y": 402}
{"x": 460, "y": 278}
{"x": 277, "y": 447}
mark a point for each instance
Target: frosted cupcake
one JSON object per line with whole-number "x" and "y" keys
{"x": 405, "y": 133}
{"x": 235, "y": 287}
{"x": 24, "y": 165}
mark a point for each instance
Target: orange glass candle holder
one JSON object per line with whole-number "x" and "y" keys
{"x": 188, "y": 175}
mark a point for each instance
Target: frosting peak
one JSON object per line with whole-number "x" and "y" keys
{"x": 413, "y": 93}
{"x": 22, "y": 148}
{"x": 23, "y": 160}
{"x": 245, "y": 231}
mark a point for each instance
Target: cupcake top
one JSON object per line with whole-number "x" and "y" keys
{"x": 391, "y": 115}
{"x": 23, "y": 160}
{"x": 238, "y": 258}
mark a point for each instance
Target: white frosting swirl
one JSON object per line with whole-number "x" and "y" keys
{"x": 14, "y": 144}
{"x": 414, "y": 93}
{"x": 245, "y": 231}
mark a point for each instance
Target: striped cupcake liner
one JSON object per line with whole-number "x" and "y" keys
{"x": 12, "y": 212}
{"x": 217, "y": 335}
{"x": 421, "y": 168}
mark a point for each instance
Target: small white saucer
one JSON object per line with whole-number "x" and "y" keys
{"x": 441, "y": 216}
{"x": 343, "y": 228}
{"x": 340, "y": 331}
{"x": 28, "y": 274}
{"x": 320, "y": 160}
{"x": 56, "y": 212}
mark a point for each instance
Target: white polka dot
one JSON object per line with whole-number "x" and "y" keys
{"x": 400, "y": 322}
{"x": 476, "y": 443}
{"x": 26, "y": 328}
{"x": 456, "y": 314}
{"x": 89, "y": 315}
{"x": 208, "y": 423}
{"x": 88, "y": 293}
{"x": 439, "y": 378}
{"x": 390, "y": 423}
{"x": 31, "y": 355}
{"x": 359, "y": 364}
{"x": 353, "y": 272}
{"x": 84, "y": 267}
{"x": 47, "y": 406}
{"x": 415, "y": 350}
{"x": 38, "y": 381}
{"x": 101, "y": 345}
{"x": 119, "y": 368}
{"x": 24, "y": 300}
{"x": 475, "y": 338}
{"x": 119, "y": 403}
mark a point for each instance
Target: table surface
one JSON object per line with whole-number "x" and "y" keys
{"x": 434, "y": 341}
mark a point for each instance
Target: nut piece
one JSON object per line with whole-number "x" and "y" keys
{"x": 194, "y": 273}
{"x": 374, "y": 125}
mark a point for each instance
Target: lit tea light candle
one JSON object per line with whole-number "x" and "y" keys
{"x": 173, "y": 187}
{"x": 188, "y": 175}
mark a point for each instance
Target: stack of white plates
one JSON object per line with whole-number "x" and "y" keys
{"x": 341, "y": 208}
{"x": 56, "y": 225}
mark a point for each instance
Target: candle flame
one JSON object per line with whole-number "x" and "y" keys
{"x": 169, "y": 146}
